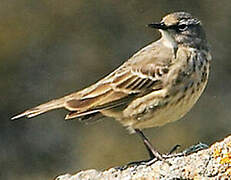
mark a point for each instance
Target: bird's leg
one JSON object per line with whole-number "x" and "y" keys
{"x": 152, "y": 152}
{"x": 154, "y": 155}
{"x": 190, "y": 150}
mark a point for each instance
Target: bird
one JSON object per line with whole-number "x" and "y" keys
{"x": 159, "y": 84}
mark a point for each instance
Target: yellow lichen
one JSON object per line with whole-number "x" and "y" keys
{"x": 217, "y": 152}
{"x": 226, "y": 159}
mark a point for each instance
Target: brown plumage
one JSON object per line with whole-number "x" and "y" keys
{"x": 128, "y": 82}
{"x": 157, "y": 85}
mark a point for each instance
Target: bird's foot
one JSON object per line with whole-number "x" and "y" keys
{"x": 164, "y": 157}
{"x": 192, "y": 149}
{"x": 133, "y": 164}
{"x": 147, "y": 162}
{"x": 154, "y": 154}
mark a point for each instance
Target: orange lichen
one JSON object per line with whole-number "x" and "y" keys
{"x": 217, "y": 152}
{"x": 226, "y": 159}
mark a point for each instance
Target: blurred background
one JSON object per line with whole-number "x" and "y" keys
{"x": 49, "y": 48}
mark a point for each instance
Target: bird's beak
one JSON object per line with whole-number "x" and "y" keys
{"x": 158, "y": 26}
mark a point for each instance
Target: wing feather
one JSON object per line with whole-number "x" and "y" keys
{"x": 113, "y": 92}
{"x": 142, "y": 73}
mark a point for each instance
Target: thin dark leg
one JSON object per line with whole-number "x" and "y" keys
{"x": 146, "y": 142}
{"x": 152, "y": 152}
{"x": 154, "y": 155}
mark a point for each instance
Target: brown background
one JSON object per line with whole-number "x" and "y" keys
{"x": 49, "y": 48}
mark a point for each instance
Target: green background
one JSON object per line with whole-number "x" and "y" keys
{"x": 49, "y": 48}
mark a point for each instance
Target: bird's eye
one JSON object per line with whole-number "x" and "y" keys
{"x": 182, "y": 27}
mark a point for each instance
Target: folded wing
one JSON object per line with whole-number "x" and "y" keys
{"x": 133, "y": 79}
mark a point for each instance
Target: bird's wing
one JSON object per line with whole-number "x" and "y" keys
{"x": 136, "y": 77}
{"x": 142, "y": 73}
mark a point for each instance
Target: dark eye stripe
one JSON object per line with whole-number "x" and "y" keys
{"x": 177, "y": 26}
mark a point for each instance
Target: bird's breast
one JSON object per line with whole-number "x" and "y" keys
{"x": 181, "y": 92}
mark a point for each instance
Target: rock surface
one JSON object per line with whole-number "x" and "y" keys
{"x": 211, "y": 163}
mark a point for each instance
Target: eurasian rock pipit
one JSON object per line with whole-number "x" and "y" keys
{"x": 157, "y": 85}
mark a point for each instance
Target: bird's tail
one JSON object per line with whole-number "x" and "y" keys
{"x": 53, "y": 104}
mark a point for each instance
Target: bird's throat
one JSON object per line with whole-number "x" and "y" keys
{"x": 168, "y": 40}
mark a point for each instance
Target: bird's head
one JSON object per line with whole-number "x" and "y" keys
{"x": 181, "y": 28}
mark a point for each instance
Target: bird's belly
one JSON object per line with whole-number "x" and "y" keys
{"x": 174, "y": 110}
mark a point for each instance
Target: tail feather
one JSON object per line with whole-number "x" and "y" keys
{"x": 54, "y": 104}
{"x": 85, "y": 114}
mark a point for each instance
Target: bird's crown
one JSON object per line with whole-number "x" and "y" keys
{"x": 178, "y": 18}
